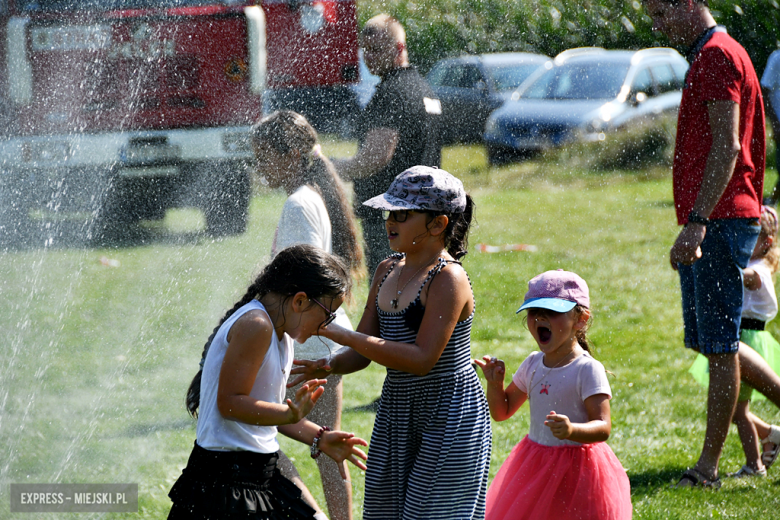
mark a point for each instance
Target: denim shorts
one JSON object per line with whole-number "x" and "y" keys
{"x": 712, "y": 287}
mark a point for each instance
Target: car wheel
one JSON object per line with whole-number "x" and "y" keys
{"x": 500, "y": 155}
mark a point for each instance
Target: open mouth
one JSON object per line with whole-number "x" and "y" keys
{"x": 544, "y": 334}
{"x": 392, "y": 234}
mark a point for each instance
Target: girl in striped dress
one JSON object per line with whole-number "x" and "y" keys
{"x": 430, "y": 449}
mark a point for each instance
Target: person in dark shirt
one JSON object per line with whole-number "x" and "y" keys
{"x": 398, "y": 129}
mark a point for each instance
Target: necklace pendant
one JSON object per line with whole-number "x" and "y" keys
{"x": 394, "y": 303}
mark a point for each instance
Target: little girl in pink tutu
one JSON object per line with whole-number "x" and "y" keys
{"x": 562, "y": 468}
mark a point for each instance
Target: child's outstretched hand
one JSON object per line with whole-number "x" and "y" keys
{"x": 341, "y": 446}
{"x": 493, "y": 369}
{"x": 305, "y": 399}
{"x": 559, "y": 425}
{"x": 333, "y": 332}
{"x": 306, "y": 370}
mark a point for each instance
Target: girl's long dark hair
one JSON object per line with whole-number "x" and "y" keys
{"x": 456, "y": 234}
{"x": 300, "y": 268}
{"x": 286, "y": 130}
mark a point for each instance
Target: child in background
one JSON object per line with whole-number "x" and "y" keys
{"x": 238, "y": 395}
{"x": 759, "y": 307}
{"x": 317, "y": 212}
{"x": 562, "y": 468}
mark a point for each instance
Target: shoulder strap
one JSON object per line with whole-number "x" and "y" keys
{"x": 396, "y": 258}
{"x": 434, "y": 271}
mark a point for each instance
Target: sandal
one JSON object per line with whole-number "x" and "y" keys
{"x": 769, "y": 456}
{"x": 747, "y": 471}
{"x": 697, "y": 479}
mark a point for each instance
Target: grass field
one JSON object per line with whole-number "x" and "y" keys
{"x": 101, "y": 343}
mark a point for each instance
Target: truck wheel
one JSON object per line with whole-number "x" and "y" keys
{"x": 226, "y": 207}
{"x": 115, "y": 213}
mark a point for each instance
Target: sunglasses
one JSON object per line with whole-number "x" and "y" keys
{"x": 399, "y": 215}
{"x": 330, "y": 315}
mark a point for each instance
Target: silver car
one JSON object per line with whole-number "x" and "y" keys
{"x": 580, "y": 95}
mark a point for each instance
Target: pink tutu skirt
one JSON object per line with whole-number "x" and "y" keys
{"x": 585, "y": 482}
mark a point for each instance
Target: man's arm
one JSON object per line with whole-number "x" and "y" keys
{"x": 724, "y": 126}
{"x": 770, "y": 111}
{"x": 375, "y": 153}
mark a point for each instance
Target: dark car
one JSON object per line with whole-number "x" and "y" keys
{"x": 582, "y": 94}
{"x": 471, "y": 87}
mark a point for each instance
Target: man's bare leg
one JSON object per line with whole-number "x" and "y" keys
{"x": 721, "y": 401}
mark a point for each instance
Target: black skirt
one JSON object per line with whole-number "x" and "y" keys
{"x": 219, "y": 485}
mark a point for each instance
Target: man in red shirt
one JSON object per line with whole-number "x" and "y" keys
{"x": 718, "y": 178}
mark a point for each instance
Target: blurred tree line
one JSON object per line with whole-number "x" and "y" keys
{"x": 441, "y": 28}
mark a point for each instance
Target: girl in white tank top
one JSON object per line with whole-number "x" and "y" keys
{"x": 239, "y": 394}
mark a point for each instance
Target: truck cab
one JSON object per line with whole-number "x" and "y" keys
{"x": 121, "y": 109}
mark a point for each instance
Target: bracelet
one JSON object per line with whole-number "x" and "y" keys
{"x": 315, "y": 450}
{"x": 695, "y": 218}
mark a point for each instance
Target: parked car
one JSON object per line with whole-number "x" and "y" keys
{"x": 471, "y": 87}
{"x": 582, "y": 94}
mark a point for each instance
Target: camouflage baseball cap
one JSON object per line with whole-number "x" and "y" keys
{"x": 422, "y": 188}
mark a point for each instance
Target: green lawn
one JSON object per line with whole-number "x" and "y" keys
{"x": 96, "y": 358}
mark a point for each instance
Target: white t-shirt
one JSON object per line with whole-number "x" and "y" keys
{"x": 305, "y": 220}
{"x": 771, "y": 80}
{"x": 561, "y": 389}
{"x": 219, "y": 434}
{"x": 760, "y": 304}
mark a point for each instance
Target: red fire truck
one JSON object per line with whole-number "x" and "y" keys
{"x": 125, "y": 108}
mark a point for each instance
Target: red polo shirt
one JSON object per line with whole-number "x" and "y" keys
{"x": 721, "y": 72}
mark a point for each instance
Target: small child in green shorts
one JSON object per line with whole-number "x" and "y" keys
{"x": 759, "y": 307}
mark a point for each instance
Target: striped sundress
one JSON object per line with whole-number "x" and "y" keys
{"x": 430, "y": 449}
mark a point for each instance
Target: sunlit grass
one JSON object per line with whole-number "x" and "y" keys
{"x": 96, "y": 359}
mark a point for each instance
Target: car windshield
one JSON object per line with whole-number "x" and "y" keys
{"x": 579, "y": 81}
{"x": 109, "y": 5}
{"x": 509, "y": 77}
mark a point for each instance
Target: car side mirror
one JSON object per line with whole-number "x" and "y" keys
{"x": 637, "y": 98}
{"x": 481, "y": 86}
